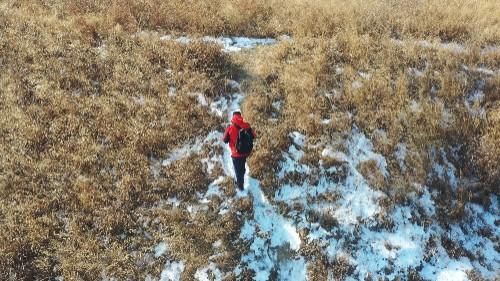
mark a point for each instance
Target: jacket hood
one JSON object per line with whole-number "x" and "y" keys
{"x": 239, "y": 121}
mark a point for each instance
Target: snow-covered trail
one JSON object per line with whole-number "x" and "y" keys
{"x": 274, "y": 240}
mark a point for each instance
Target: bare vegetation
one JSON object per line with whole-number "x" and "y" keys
{"x": 85, "y": 108}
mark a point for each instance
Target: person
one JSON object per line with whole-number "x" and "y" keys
{"x": 240, "y": 145}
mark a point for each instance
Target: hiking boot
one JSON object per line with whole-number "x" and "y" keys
{"x": 236, "y": 185}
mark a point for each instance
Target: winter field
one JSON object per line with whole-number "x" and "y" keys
{"x": 378, "y": 155}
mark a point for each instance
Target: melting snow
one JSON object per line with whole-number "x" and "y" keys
{"x": 228, "y": 44}
{"x": 295, "y": 269}
{"x": 356, "y": 84}
{"x": 209, "y": 273}
{"x": 161, "y": 249}
{"x": 189, "y": 149}
{"x": 268, "y": 231}
{"x": 172, "y": 271}
{"x": 473, "y": 101}
{"x": 444, "y": 169}
{"x": 400, "y": 155}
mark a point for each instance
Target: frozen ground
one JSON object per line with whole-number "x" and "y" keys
{"x": 409, "y": 240}
{"x": 343, "y": 216}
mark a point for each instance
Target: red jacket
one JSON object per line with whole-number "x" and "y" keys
{"x": 231, "y": 134}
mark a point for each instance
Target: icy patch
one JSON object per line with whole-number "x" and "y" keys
{"x": 453, "y": 47}
{"x": 401, "y": 248}
{"x": 364, "y": 75}
{"x": 270, "y": 233}
{"x": 294, "y": 154}
{"x": 200, "y": 98}
{"x": 209, "y": 273}
{"x": 174, "y": 201}
{"x": 295, "y": 269}
{"x": 289, "y": 193}
{"x": 400, "y": 155}
{"x": 452, "y": 271}
{"x": 217, "y": 244}
{"x": 161, "y": 249}
{"x": 228, "y": 44}
{"x": 415, "y": 106}
{"x": 102, "y": 50}
{"x": 211, "y": 162}
{"x": 218, "y": 106}
{"x": 356, "y": 84}
{"x": 426, "y": 203}
{"x": 490, "y": 49}
{"x": 444, "y": 169}
{"x": 139, "y": 100}
{"x": 358, "y": 201}
{"x": 482, "y": 70}
{"x": 277, "y": 105}
{"x": 475, "y": 236}
{"x": 172, "y": 271}
{"x": 213, "y": 190}
{"x": 473, "y": 101}
{"x": 238, "y": 43}
{"x": 190, "y": 148}
{"x": 182, "y": 152}
{"x": 298, "y": 138}
{"x": 337, "y": 155}
{"x": 361, "y": 149}
{"x": 268, "y": 220}
{"x": 172, "y": 91}
{"x": 447, "y": 118}
{"x": 415, "y": 72}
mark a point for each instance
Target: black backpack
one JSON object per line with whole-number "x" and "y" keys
{"x": 244, "y": 143}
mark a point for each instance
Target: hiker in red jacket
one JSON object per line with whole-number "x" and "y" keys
{"x": 240, "y": 137}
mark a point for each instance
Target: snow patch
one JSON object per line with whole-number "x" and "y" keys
{"x": 189, "y": 148}
{"x": 209, "y": 273}
{"x": 400, "y": 154}
{"x": 298, "y": 138}
{"x": 295, "y": 269}
{"x": 228, "y": 44}
{"x": 475, "y": 98}
{"x": 161, "y": 249}
{"x": 172, "y": 271}
{"x": 356, "y": 84}
{"x": 444, "y": 169}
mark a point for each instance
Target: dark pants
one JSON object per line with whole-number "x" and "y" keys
{"x": 239, "y": 170}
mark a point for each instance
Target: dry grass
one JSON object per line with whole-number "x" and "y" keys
{"x": 79, "y": 126}
{"x": 448, "y": 20}
{"x": 84, "y": 107}
{"x": 489, "y": 147}
{"x": 371, "y": 82}
{"x": 370, "y": 171}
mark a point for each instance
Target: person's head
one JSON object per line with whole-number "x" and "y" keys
{"x": 237, "y": 118}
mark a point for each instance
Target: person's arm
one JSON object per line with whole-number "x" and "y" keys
{"x": 225, "y": 138}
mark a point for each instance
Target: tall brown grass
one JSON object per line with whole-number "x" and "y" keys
{"x": 84, "y": 109}
{"x": 449, "y": 20}
{"x": 81, "y": 120}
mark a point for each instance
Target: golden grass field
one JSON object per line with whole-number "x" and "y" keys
{"x": 79, "y": 126}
